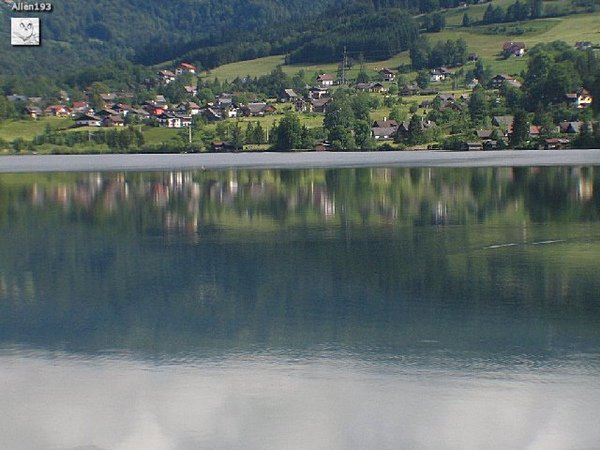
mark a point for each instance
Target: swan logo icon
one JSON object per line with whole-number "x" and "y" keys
{"x": 25, "y": 31}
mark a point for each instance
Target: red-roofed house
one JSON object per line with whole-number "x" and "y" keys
{"x": 535, "y": 131}
{"x": 80, "y": 107}
{"x": 57, "y": 111}
{"x": 185, "y": 68}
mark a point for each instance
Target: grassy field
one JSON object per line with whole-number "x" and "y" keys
{"x": 488, "y": 46}
{"x": 253, "y": 68}
{"x": 263, "y": 66}
{"x": 157, "y": 135}
{"x": 454, "y": 16}
{"x": 27, "y": 129}
{"x": 480, "y": 40}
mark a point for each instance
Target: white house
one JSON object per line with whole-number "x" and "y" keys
{"x": 325, "y": 79}
{"x": 88, "y": 120}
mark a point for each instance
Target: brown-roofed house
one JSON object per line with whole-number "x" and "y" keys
{"x": 570, "y": 127}
{"x": 166, "y": 76}
{"x": 513, "y": 49}
{"x": 387, "y": 74}
{"x": 325, "y": 79}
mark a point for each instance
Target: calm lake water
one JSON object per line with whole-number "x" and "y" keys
{"x": 301, "y": 309}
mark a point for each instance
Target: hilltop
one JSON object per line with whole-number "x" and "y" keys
{"x": 80, "y": 33}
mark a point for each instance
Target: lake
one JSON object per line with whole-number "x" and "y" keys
{"x": 378, "y": 308}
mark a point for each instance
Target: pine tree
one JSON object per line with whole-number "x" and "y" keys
{"x": 249, "y": 134}
{"x": 438, "y": 23}
{"x": 520, "y": 130}
{"x": 415, "y": 130}
{"x": 259, "y": 134}
{"x": 586, "y": 136}
{"x": 237, "y": 138}
{"x": 363, "y": 76}
{"x": 466, "y": 21}
{"x": 537, "y": 9}
{"x": 478, "y": 108}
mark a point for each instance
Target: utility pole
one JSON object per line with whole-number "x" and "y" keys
{"x": 344, "y": 60}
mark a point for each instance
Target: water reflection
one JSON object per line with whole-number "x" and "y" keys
{"x": 300, "y": 309}
{"x": 187, "y": 201}
{"x": 173, "y": 262}
{"x": 267, "y": 404}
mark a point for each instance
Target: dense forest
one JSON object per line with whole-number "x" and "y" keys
{"x": 210, "y": 32}
{"x": 145, "y": 31}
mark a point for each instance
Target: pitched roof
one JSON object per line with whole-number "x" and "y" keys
{"x": 56, "y": 108}
{"x": 446, "y": 97}
{"x": 502, "y": 77}
{"x": 33, "y": 109}
{"x": 570, "y": 127}
{"x": 503, "y": 121}
{"x": 320, "y": 101}
{"x": 88, "y": 117}
{"x": 187, "y": 66}
{"x": 513, "y": 46}
{"x": 325, "y": 77}
{"x": 257, "y": 107}
{"x": 166, "y": 74}
{"x": 384, "y": 131}
{"x": 290, "y": 93}
{"x": 114, "y": 119}
{"x": 385, "y": 123}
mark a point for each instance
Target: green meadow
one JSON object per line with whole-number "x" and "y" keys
{"x": 27, "y": 129}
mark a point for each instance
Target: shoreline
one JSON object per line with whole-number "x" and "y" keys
{"x": 296, "y": 160}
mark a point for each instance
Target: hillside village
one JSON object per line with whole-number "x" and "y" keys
{"x": 437, "y": 109}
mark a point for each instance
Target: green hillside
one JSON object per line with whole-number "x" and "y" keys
{"x": 571, "y": 29}
{"x": 210, "y": 33}
{"x": 80, "y": 33}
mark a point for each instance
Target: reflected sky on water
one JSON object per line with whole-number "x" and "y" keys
{"x": 271, "y": 403}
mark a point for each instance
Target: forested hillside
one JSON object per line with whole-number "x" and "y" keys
{"x": 209, "y": 32}
{"x": 78, "y": 33}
